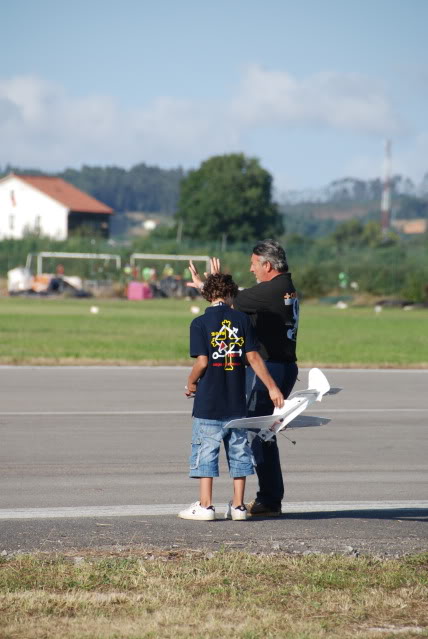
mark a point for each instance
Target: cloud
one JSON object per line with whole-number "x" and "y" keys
{"x": 42, "y": 125}
{"x": 347, "y": 101}
{"x": 46, "y": 126}
{"x": 184, "y": 128}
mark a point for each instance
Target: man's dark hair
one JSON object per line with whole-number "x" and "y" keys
{"x": 219, "y": 286}
{"x": 271, "y": 251}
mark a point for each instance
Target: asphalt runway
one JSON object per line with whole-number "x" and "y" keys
{"x": 106, "y": 449}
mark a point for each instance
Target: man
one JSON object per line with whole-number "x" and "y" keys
{"x": 273, "y": 308}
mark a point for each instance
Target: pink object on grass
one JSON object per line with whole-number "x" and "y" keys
{"x": 139, "y": 291}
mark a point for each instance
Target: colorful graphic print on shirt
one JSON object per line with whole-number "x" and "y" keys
{"x": 227, "y": 343}
{"x": 290, "y": 299}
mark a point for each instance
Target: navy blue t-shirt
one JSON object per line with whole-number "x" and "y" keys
{"x": 224, "y": 336}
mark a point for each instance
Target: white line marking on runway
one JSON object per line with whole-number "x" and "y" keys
{"x": 142, "y": 368}
{"x": 372, "y": 410}
{"x": 97, "y": 367}
{"x": 117, "y": 413}
{"x": 172, "y": 509}
{"x": 94, "y": 413}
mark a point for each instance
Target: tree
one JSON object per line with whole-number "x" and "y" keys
{"x": 142, "y": 188}
{"x": 229, "y": 196}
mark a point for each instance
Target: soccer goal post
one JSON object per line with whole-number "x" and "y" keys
{"x": 81, "y": 256}
{"x": 170, "y": 258}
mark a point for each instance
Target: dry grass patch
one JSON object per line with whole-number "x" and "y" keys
{"x": 231, "y": 594}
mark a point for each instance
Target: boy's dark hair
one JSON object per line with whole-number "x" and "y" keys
{"x": 219, "y": 285}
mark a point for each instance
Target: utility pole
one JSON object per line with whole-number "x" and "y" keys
{"x": 385, "y": 206}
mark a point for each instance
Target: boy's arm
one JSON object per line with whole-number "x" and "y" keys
{"x": 198, "y": 369}
{"x": 259, "y": 367}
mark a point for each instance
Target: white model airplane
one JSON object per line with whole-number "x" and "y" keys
{"x": 271, "y": 425}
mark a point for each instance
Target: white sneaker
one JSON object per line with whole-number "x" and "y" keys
{"x": 236, "y": 514}
{"x": 198, "y": 512}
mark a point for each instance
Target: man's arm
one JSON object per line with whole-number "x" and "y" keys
{"x": 259, "y": 367}
{"x": 198, "y": 369}
{"x": 251, "y": 300}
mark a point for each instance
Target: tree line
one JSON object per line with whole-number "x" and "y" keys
{"x": 235, "y": 190}
{"x": 141, "y": 188}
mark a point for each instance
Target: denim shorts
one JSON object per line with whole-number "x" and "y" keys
{"x": 207, "y": 435}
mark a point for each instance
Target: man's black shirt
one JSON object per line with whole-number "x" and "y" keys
{"x": 273, "y": 308}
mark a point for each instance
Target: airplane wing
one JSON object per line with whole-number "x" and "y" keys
{"x": 270, "y": 425}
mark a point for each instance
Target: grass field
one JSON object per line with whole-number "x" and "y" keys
{"x": 226, "y": 594}
{"x": 64, "y": 331}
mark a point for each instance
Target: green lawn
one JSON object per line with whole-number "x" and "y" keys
{"x": 64, "y": 331}
{"x": 360, "y": 337}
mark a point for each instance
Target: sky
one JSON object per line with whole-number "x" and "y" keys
{"x": 312, "y": 88}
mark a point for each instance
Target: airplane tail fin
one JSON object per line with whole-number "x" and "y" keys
{"x": 318, "y": 381}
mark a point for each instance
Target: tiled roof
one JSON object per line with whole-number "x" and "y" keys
{"x": 64, "y": 192}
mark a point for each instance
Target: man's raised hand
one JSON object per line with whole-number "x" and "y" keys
{"x": 197, "y": 281}
{"x": 196, "y": 278}
{"x": 214, "y": 265}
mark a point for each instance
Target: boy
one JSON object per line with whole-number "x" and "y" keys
{"x": 220, "y": 340}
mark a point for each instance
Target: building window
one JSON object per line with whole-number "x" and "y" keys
{"x": 11, "y": 222}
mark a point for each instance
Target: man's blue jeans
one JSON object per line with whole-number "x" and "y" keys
{"x": 266, "y": 454}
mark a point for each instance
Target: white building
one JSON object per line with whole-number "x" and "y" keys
{"x": 49, "y": 206}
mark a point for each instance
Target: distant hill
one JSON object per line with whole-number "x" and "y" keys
{"x": 352, "y": 189}
{"x": 316, "y": 212}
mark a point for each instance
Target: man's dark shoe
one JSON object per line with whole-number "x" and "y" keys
{"x": 257, "y": 509}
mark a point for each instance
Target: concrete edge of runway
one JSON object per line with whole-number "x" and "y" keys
{"x": 75, "y": 512}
